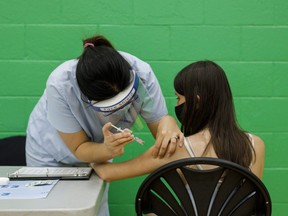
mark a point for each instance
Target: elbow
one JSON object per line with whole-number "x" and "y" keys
{"x": 101, "y": 171}
{"x": 104, "y": 176}
{"x": 107, "y": 180}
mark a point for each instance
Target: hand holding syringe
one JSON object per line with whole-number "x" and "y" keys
{"x": 129, "y": 131}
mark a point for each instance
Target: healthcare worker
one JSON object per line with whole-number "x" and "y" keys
{"x": 103, "y": 85}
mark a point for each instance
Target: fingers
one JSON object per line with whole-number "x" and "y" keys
{"x": 115, "y": 143}
{"x": 161, "y": 144}
{"x": 157, "y": 146}
{"x": 116, "y": 138}
{"x": 105, "y": 129}
{"x": 162, "y": 150}
{"x": 121, "y": 139}
{"x": 166, "y": 144}
{"x": 174, "y": 140}
{"x": 181, "y": 139}
{"x": 115, "y": 147}
{"x": 172, "y": 145}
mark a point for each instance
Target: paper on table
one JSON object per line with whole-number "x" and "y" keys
{"x": 29, "y": 189}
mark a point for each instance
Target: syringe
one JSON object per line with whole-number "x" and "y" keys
{"x": 137, "y": 139}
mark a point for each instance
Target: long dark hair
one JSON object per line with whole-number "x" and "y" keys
{"x": 101, "y": 71}
{"x": 209, "y": 104}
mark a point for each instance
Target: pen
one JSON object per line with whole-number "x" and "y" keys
{"x": 137, "y": 139}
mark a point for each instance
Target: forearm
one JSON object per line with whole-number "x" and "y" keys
{"x": 117, "y": 171}
{"x": 141, "y": 165}
{"x": 92, "y": 152}
{"x": 85, "y": 150}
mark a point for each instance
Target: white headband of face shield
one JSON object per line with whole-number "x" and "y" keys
{"x": 120, "y": 100}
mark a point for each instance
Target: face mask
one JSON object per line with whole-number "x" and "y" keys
{"x": 179, "y": 112}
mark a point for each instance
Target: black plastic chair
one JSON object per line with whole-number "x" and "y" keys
{"x": 178, "y": 188}
{"x": 12, "y": 151}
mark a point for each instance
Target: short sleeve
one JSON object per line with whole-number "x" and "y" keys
{"x": 155, "y": 106}
{"x": 59, "y": 113}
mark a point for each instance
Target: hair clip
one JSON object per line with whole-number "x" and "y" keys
{"x": 88, "y": 44}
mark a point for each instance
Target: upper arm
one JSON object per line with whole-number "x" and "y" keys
{"x": 258, "y": 163}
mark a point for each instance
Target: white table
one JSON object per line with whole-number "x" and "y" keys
{"x": 68, "y": 197}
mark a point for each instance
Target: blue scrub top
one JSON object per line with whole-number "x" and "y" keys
{"x": 61, "y": 108}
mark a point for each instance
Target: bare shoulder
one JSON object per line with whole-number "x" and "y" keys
{"x": 259, "y": 148}
{"x": 258, "y": 142}
{"x": 257, "y": 166}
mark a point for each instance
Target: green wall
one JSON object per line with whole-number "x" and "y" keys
{"x": 247, "y": 38}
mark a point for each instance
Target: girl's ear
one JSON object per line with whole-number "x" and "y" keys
{"x": 198, "y": 100}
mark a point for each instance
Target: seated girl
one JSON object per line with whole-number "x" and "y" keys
{"x": 206, "y": 111}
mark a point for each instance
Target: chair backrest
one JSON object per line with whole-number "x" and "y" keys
{"x": 179, "y": 188}
{"x": 12, "y": 151}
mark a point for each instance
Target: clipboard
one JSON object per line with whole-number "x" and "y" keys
{"x": 65, "y": 173}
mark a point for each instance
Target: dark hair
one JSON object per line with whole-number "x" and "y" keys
{"x": 209, "y": 104}
{"x": 101, "y": 71}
